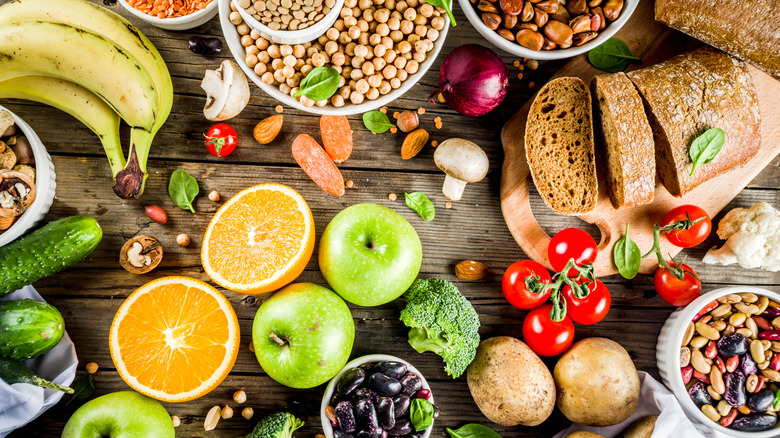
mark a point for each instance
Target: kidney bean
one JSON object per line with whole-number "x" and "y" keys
{"x": 754, "y": 422}
{"x": 424, "y": 394}
{"x": 732, "y": 344}
{"x": 403, "y": 426}
{"x": 705, "y": 310}
{"x": 735, "y": 388}
{"x": 410, "y": 383}
{"x": 762, "y": 323}
{"x": 384, "y": 385}
{"x": 701, "y": 376}
{"x": 391, "y": 369}
{"x": 386, "y": 412}
{"x": 368, "y": 419}
{"x": 761, "y": 401}
{"x": 771, "y": 312}
{"x": 719, "y": 364}
{"x": 732, "y": 363}
{"x": 770, "y": 335}
{"x": 401, "y": 403}
{"x": 345, "y": 415}
{"x": 728, "y": 419}
{"x": 699, "y": 395}
{"x": 350, "y": 381}
{"x": 774, "y": 363}
{"x": 366, "y": 394}
{"x": 711, "y": 351}
{"x": 686, "y": 373}
{"x": 748, "y": 365}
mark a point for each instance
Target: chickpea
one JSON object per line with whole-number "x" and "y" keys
{"x": 388, "y": 43}
{"x": 337, "y": 100}
{"x": 356, "y": 12}
{"x": 426, "y": 10}
{"x": 339, "y": 25}
{"x": 338, "y": 68}
{"x": 379, "y": 63}
{"x": 344, "y": 38}
{"x": 350, "y": 21}
{"x": 320, "y": 59}
{"x": 308, "y": 103}
{"x": 419, "y": 57}
{"x": 437, "y": 23}
{"x": 279, "y": 76}
{"x": 357, "y": 62}
{"x": 383, "y": 30}
{"x": 390, "y": 4}
{"x": 362, "y": 86}
{"x": 351, "y": 84}
{"x": 364, "y": 4}
{"x": 407, "y": 55}
{"x": 396, "y": 14}
{"x": 372, "y": 94}
{"x": 357, "y": 74}
{"x": 262, "y": 43}
{"x": 382, "y": 15}
{"x": 413, "y": 3}
{"x": 255, "y": 34}
{"x": 353, "y": 32}
{"x": 402, "y": 74}
{"x": 285, "y": 49}
{"x": 288, "y": 72}
{"x": 307, "y": 44}
{"x": 399, "y": 62}
{"x": 331, "y": 47}
{"x": 356, "y": 98}
{"x": 404, "y": 47}
{"x": 385, "y": 87}
{"x": 332, "y": 34}
{"x": 252, "y": 50}
{"x": 362, "y": 25}
{"x": 267, "y": 78}
{"x": 367, "y": 68}
{"x": 251, "y": 61}
{"x": 420, "y": 20}
{"x": 289, "y": 60}
{"x": 363, "y": 39}
{"x": 273, "y": 51}
{"x": 243, "y": 29}
{"x": 420, "y": 30}
{"x": 345, "y": 12}
{"x": 247, "y": 41}
{"x": 322, "y": 39}
{"x": 299, "y": 63}
{"x": 368, "y": 15}
{"x": 263, "y": 57}
{"x": 375, "y": 39}
{"x": 350, "y": 3}
{"x": 284, "y": 88}
{"x": 396, "y": 36}
{"x": 277, "y": 64}
{"x": 389, "y": 56}
{"x": 317, "y": 46}
{"x": 395, "y": 83}
{"x": 410, "y": 14}
{"x": 347, "y": 70}
{"x": 295, "y": 80}
{"x": 379, "y": 50}
{"x": 401, "y": 6}
{"x": 407, "y": 27}
{"x": 394, "y": 23}
{"x": 321, "y": 103}
{"x": 235, "y": 17}
{"x": 413, "y": 39}
{"x": 342, "y": 81}
{"x": 374, "y": 80}
{"x": 389, "y": 71}
{"x": 306, "y": 69}
{"x": 294, "y": 91}
{"x": 260, "y": 69}
{"x": 345, "y": 91}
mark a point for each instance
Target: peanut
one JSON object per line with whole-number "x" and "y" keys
{"x": 156, "y": 214}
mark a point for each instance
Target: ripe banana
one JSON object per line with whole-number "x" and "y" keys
{"x": 75, "y": 100}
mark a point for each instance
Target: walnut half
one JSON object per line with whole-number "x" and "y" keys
{"x": 140, "y": 254}
{"x": 17, "y": 193}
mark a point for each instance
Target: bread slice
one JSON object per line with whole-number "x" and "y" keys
{"x": 559, "y": 146}
{"x": 626, "y": 142}
{"x": 689, "y": 94}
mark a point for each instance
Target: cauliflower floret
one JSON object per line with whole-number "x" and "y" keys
{"x": 752, "y": 238}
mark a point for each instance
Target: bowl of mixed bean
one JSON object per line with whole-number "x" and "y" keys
{"x": 547, "y": 29}
{"x": 720, "y": 355}
{"x": 380, "y": 48}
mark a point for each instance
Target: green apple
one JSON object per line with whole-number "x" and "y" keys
{"x": 124, "y": 414}
{"x": 369, "y": 254}
{"x": 303, "y": 335}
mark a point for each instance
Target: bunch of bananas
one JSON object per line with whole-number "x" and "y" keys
{"x": 96, "y": 66}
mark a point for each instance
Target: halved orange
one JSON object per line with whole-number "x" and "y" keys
{"x": 260, "y": 240}
{"x": 174, "y": 339}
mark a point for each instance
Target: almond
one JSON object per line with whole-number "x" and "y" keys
{"x": 413, "y": 143}
{"x": 470, "y": 270}
{"x": 267, "y": 129}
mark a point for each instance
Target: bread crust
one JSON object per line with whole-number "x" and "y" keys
{"x": 687, "y": 95}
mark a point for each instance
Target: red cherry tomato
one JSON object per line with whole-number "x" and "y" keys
{"x": 513, "y": 284}
{"x": 545, "y": 336}
{"x": 675, "y": 291}
{"x": 692, "y": 236}
{"x": 571, "y": 243}
{"x": 221, "y": 140}
{"x": 591, "y": 309}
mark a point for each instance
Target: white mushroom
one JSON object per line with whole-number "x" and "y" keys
{"x": 227, "y": 91}
{"x": 463, "y": 162}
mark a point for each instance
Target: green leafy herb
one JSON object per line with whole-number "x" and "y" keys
{"x": 420, "y": 203}
{"x": 377, "y": 122}
{"x": 83, "y": 388}
{"x": 421, "y": 413}
{"x": 321, "y": 83}
{"x": 473, "y": 430}
{"x": 183, "y": 188}
{"x": 612, "y": 56}
{"x": 627, "y": 256}
{"x": 706, "y": 147}
{"x": 446, "y": 5}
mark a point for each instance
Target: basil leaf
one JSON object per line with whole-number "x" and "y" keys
{"x": 627, "y": 256}
{"x": 83, "y": 388}
{"x": 706, "y": 147}
{"x": 446, "y": 5}
{"x": 473, "y": 430}
{"x": 183, "y": 188}
{"x": 321, "y": 83}
{"x": 421, "y": 414}
{"x": 612, "y": 56}
{"x": 377, "y": 122}
{"x": 420, "y": 203}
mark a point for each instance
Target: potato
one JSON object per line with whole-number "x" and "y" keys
{"x": 510, "y": 384}
{"x": 597, "y": 383}
{"x": 641, "y": 428}
{"x": 584, "y": 434}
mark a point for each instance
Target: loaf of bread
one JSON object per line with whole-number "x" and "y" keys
{"x": 559, "y": 146}
{"x": 690, "y": 94}
{"x": 626, "y": 141}
{"x": 749, "y": 30}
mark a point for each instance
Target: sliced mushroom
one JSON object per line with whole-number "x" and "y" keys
{"x": 7, "y": 125}
{"x": 17, "y": 193}
{"x": 227, "y": 91}
{"x": 463, "y": 162}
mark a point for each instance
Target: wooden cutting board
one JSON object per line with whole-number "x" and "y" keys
{"x": 653, "y": 42}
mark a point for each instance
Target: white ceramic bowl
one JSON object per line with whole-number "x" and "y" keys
{"x": 233, "y": 40}
{"x": 327, "y": 428}
{"x": 45, "y": 184}
{"x": 667, "y": 355}
{"x": 175, "y": 23}
{"x": 516, "y": 49}
{"x": 311, "y": 33}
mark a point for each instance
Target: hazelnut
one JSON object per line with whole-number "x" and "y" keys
{"x": 214, "y": 196}
{"x": 408, "y": 121}
{"x": 239, "y": 396}
{"x": 248, "y": 413}
{"x": 183, "y": 239}
{"x": 140, "y": 254}
{"x": 227, "y": 412}
{"x": 92, "y": 368}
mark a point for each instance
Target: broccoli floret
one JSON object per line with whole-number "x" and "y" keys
{"x": 276, "y": 425}
{"x": 442, "y": 321}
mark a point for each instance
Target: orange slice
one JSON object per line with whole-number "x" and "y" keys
{"x": 174, "y": 339}
{"x": 260, "y": 240}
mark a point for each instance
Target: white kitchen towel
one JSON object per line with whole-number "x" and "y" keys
{"x": 655, "y": 399}
{"x": 21, "y": 403}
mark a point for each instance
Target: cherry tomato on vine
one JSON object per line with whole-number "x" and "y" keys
{"x": 513, "y": 284}
{"x": 221, "y": 140}
{"x": 692, "y": 236}
{"x": 571, "y": 243}
{"x": 675, "y": 291}
{"x": 545, "y": 336}
{"x": 591, "y": 309}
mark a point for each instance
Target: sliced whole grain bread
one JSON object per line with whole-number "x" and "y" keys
{"x": 559, "y": 146}
{"x": 687, "y": 95}
{"x": 626, "y": 141}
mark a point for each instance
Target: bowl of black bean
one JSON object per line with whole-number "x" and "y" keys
{"x": 378, "y": 396}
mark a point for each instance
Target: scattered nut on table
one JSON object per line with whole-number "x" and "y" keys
{"x": 140, "y": 254}
{"x": 214, "y": 196}
{"x": 212, "y": 418}
{"x": 248, "y": 413}
{"x": 183, "y": 239}
{"x": 91, "y": 368}
{"x": 239, "y": 396}
{"x": 471, "y": 270}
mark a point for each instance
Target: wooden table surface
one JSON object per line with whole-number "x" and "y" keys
{"x": 89, "y": 294}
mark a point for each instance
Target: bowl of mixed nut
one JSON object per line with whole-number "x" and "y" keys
{"x": 720, "y": 355}
{"x": 27, "y": 179}
{"x": 549, "y": 29}
{"x": 380, "y": 49}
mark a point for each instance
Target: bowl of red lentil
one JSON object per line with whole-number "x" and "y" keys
{"x": 289, "y": 21}
{"x": 172, "y": 14}
{"x": 381, "y": 48}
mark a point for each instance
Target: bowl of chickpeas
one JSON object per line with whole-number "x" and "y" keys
{"x": 380, "y": 48}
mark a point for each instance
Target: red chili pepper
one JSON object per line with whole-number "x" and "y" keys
{"x": 770, "y": 335}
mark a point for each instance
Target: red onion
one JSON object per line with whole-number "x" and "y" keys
{"x": 473, "y": 80}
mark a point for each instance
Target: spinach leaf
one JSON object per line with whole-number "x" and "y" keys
{"x": 612, "y": 56}
{"x": 446, "y": 5}
{"x": 627, "y": 256}
{"x": 321, "y": 83}
{"x": 377, "y": 122}
{"x": 706, "y": 147}
{"x": 473, "y": 430}
{"x": 421, "y": 414}
{"x": 183, "y": 188}
{"x": 420, "y": 203}
{"x": 83, "y": 388}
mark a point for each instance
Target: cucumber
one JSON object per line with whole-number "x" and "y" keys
{"x": 28, "y": 328}
{"x": 50, "y": 249}
{"x": 12, "y": 372}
